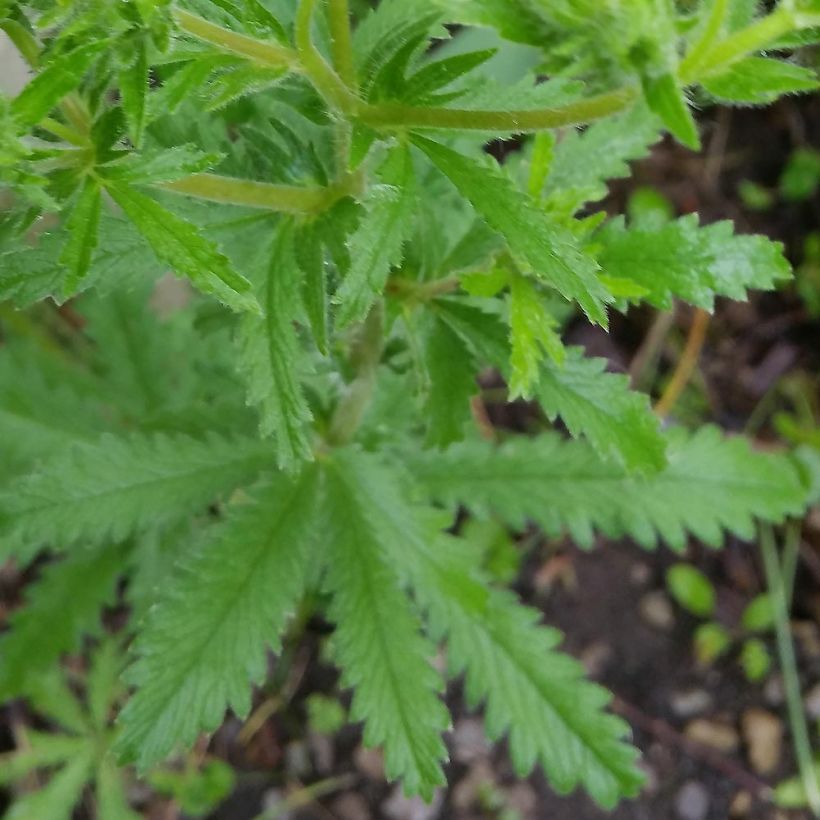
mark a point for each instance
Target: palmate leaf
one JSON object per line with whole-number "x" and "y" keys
{"x": 377, "y": 244}
{"x": 616, "y": 420}
{"x": 121, "y": 484}
{"x": 711, "y": 484}
{"x": 693, "y": 263}
{"x": 531, "y": 691}
{"x": 377, "y": 640}
{"x": 205, "y": 642}
{"x": 82, "y": 225}
{"x": 545, "y": 249}
{"x": 64, "y": 603}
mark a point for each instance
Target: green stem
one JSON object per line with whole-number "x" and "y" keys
{"x": 788, "y": 665}
{"x": 252, "y": 194}
{"x": 366, "y": 356}
{"x": 328, "y": 83}
{"x": 339, "y": 18}
{"x": 749, "y": 40}
{"x": 711, "y": 32}
{"x": 397, "y": 115}
{"x": 262, "y": 52}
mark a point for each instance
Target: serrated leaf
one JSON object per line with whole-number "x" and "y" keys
{"x": 376, "y": 246}
{"x": 710, "y": 484}
{"x": 68, "y": 598}
{"x": 204, "y": 644}
{"x": 271, "y": 357}
{"x": 533, "y": 693}
{"x": 616, "y": 420}
{"x": 546, "y": 250}
{"x": 310, "y": 255}
{"x": 532, "y": 334}
{"x": 133, "y": 88}
{"x": 451, "y": 370}
{"x": 693, "y": 263}
{"x": 82, "y": 225}
{"x": 182, "y": 246}
{"x": 157, "y": 166}
{"x": 667, "y": 99}
{"x": 377, "y": 639}
{"x": 118, "y": 485}
{"x": 760, "y": 80}
{"x": 57, "y": 79}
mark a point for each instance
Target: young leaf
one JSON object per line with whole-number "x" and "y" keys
{"x": 377, "y": 639}
{"x": 548, "y": 250}
{"x": 377, "y": 244}
{"x": 133, "y": 87}
{"x": 691, "y": 589}
{"x": 667, "y": 99}
{"x": 616, "y": 420}
{"x": 270, "y": 355}
{"x": 204, "y": 644}
{"x": 107, "y": 490}
{"x": 82, "y": 225}
{"x": 710, "y": 484}
{"x": 532, "y": 329}
{"x": 56, "y": 80}
{"x": 681, "y": 259}
{"x": 68, "y": 597}
{"x": 760, "y": 80}
{"x": 181, "y": 245}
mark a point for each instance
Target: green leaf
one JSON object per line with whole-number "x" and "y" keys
{"x": 451, "y": 371}
{"x": 683, "y": 260}
{"x": 710, "y": 484}
{"x": 711, "y": 641}
{"x": 377, "y": 244}
{"x": 616, "y": 420}
{"x": 204, "y": 643}
{"x": 547, "y": 250}
{"x": 68, "y": 598}
{"x": 533, "y": 693}
{"x": 755, "y": 660}
{"x": 271, "y": 356}
{"x": 667, "y": 99}
{"x": 310, "y": 255}
{"x": 182, "y": 246}
{"x": 133, "y": 87}
{"x": 82, "y": 225}
{"x": 56, "y": 800}
{"x": 532, "y": 330}
{"x": 760, "y": 80}
{"x": 584, "y": 160}
{"x": 691, "y": 589}
{"x": 377, "y": 639}
{"x": 51, "y": 84}
{"x": 107, "y": 490}
{"x": 758, "y": 616}
{"x": 153, "y": 167}
{"x": 110, "y": 791}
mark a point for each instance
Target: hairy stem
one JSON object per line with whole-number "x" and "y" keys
{"x": 283, "y": 198}
{"x": 339, "y": 17}
{"x": 263, "y": 52}
{"x": 366, "y": 355}
{"x": 397, "y": 115}
{"x": 327, "y": 82}
{"x": 788, "y": 666}
{"x": 711, "y": 32}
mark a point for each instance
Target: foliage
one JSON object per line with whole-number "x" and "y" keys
{"x": 298, "y": 433}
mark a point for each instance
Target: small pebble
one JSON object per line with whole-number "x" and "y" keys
{"x": 350, "y": 806}
{"x": 690, "y": 702}
{"x": 369, "y": 762}
{"x": 741, "y": 805}
{"x": 596, "y": 658}
{"x": 773, "y": 691}
{"x": 656, "y": 609}
{"x": 399, "y": 807}
{"x": 692, "y": 802}
{"x": 640, "y": 574}
{"x": 763, "y": 733}
{"x": 464, "y": 794}
{"x": 812, "y": 702}
{"x": 469, "y": 740}
{"x": 711, "y": 733}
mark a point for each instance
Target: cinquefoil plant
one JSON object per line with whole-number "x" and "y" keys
{"x": 318, "y": 173}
